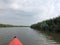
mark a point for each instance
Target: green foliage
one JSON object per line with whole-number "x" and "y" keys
{"x": 52, "y": 25}
{"x": 7, "y": 25}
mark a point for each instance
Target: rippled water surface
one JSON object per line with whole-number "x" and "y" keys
{"x": 28, "y": 36}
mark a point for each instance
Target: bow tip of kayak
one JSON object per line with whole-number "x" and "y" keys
{"x": 14, "y": 37}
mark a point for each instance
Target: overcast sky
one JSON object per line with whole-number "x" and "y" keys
{"x": 27, "y": 12}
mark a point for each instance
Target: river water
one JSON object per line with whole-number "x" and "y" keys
{"x": 28, "y": 36}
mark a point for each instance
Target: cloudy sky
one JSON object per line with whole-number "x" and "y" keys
{"x": 27, "y": 12}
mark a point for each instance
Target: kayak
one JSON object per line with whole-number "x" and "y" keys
{"x": 15, "y": 41}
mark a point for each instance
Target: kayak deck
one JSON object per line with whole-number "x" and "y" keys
{"x": 15, "y": 41}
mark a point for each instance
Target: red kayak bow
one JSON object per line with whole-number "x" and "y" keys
{"x": 15, "y": 41}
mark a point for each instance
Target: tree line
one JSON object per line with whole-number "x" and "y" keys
{"x": 51, "y": 25}
{"x": 7, "y": 25}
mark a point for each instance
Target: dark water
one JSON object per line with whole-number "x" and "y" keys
{"x": 28, "y": 36}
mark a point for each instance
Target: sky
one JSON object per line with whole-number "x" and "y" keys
{"x": 27, "y": 12}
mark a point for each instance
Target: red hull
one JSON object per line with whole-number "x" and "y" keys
{"x": 15, "y": 41}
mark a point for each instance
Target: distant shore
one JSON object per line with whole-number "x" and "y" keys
{"x": 7, "y": 25}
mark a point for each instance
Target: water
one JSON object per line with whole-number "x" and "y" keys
{"x": 28, "y": 36}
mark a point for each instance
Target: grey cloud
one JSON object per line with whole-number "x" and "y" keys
{"x": 17, "y": 17}
{"x": 27, "y": 12}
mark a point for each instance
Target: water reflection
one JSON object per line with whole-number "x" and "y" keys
{"x": 53, "y": 38}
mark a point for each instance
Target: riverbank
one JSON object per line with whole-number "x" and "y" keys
{"x": 8, "y": 25}
{"x": 52, "y": 25}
